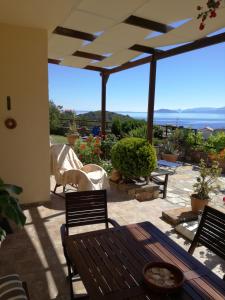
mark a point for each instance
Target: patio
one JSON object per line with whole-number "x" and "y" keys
{"x": 43, "y": 266}
{"x": 105, "y": 37}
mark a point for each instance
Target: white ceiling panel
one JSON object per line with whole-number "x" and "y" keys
{"x": 188, "y": 32}
{"x": 118, "y": 58}
{"x": 87, "y": 22}
{"x": 166, "y": 12}
{"x": 114, "y": 9}
{"x": 63, "y": 45}
{"x": 46, "y": 14}
{"x": 77, "y": 62}
{"x": 121, "y": 36}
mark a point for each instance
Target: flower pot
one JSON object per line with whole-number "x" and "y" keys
{"x": 198, "y": 204}
{"x": 71, "y": 138}
{"x": 169, "y": 157}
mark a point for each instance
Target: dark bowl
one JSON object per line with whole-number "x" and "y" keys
{"x": 177, "y": 273}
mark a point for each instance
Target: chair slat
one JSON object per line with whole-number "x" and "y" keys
{"x": 211, "y": 232}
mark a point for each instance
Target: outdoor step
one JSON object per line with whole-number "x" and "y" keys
{"x": 178, "y": 215}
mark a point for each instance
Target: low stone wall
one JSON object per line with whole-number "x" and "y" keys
{"x": 141, "y": 191}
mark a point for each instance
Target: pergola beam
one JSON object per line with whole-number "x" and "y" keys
{"x": 105, "y": 78}
{"x": 89, "y": 55}
{"x": 95, "y": 68}
{"x": 145, "y": 49}
{"x": 201, "y": 43}
{"x": 151, "y": 100}
{"x": 74, "y": 34}
{"x": 54, "y": 61}
{"x": 148, "y": 24}
{"x": 130, "y": 64}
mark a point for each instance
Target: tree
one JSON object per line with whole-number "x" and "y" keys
{"x": 54, "y": 117}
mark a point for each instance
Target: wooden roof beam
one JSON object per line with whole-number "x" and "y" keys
{"x": 89, "y": 55}
{"x": 74, "y": 34}
{"x": 148, "y": 24}
{"x": 54, "y": 61}
{"x": 144, "y": 49}
{"x": 198, "y": 44}
{"x": 201, "y": 43}
{"x": 98, "y": 69}
{"x": 131, "y": 64}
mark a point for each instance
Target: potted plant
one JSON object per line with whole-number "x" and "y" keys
{"x": 72, "y": 133}
{"x": 170, "y": 153}
{"x": 9, "y": 207}
{"x": 205, "y": 183}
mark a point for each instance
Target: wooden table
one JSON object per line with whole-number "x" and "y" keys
{"x": 110, "y": 263}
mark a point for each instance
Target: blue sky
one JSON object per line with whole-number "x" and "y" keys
{"x": 193, "y": 79}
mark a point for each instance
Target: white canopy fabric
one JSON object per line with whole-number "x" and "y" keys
{"x": 105, "y": 19}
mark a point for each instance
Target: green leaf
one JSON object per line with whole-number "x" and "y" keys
{"x": 2, "y": 234}
{"x": 13, "y": 189}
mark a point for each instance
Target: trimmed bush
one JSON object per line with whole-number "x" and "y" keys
{"x": 133, "y": 157}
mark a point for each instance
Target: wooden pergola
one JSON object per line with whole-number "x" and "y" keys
{"x": 155, "y": 55}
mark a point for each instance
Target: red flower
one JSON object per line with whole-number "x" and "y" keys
{"x": 213, "y": 14}
{"x": 82, "y": 146}
{"x": 224, "y": 199}
{"x": 80, "y": 156}
{"x": 202, "y": 26}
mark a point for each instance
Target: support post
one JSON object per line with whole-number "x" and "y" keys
{"x": 105, "y": 77}
{"x": 151, "y": 100}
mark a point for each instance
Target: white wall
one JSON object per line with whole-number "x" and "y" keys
{"x": 24, "y": 151}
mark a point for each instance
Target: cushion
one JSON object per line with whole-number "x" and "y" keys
{"x": 11, "y": 288}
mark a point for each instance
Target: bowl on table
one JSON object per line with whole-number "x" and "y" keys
{"x": 162, "y": 277}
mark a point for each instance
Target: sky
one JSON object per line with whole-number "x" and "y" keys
{"x": 193, "y": 79}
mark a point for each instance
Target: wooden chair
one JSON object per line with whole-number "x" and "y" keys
{"x": 211, "y": 232}
{"x": 83, "y": 208}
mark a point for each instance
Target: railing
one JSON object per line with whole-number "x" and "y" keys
{"x": 84, "y": 124}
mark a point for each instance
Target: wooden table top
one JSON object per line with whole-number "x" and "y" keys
{"x": 110, "y": 263}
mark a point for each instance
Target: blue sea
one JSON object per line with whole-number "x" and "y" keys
{"x": 193, "y": 120}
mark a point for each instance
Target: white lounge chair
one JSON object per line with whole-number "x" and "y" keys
{"x": 68, "y": 169}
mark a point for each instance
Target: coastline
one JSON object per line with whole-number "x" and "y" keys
{"x": 187, "y": 120}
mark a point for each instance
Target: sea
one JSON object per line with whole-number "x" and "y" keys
{"x": 187, "y": 120}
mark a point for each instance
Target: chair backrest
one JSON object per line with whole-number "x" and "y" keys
{"x": 211, "y": 232}
{"x": 85, "y": 208}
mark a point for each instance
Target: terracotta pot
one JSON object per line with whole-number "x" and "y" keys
{"x": 169, "y": 157}
{"x": 71, "y": 138}
{"x": 198, "y": 204}
{"x": 115, "y": 176}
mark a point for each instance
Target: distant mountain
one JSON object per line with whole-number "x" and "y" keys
{"x": 163, "y": 110}
{"x": 209, "y": 110}
{"x": 96, "y": 116}
{"x": 198, "y": 110}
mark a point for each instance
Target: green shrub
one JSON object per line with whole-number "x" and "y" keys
{"x": 106, "y": 165}
{"x": 123, "y": 127}
{"x": 116, "y": 127}
{"x": 215, "y": 142}
{"x": 133, "y": 157}
{"x": 106, "y": 146}
{"x": 158, "y": 131}
{"x": 140, "y": 132}
{"x": 195, "y": 141}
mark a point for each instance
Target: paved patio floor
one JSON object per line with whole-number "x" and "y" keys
{"x": 36, "y": 253}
